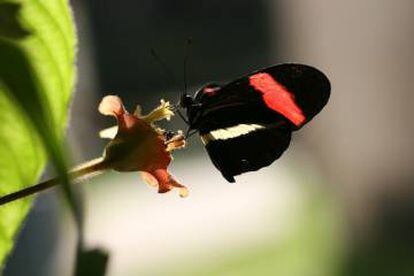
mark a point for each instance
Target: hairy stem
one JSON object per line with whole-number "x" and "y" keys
{"x": 85, "y": 170}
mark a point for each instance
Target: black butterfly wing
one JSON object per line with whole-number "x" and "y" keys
{"x": 295, "y": 92}
{"x": 248, "y": 152}
{"x": 247, "y": 124}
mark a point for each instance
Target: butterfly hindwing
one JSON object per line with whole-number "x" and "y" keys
{"x": 250, "y": 151}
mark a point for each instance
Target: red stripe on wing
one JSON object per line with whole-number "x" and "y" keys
{"x": 277, "y": 97}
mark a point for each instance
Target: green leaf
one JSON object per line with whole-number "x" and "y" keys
{"x": 36, "y": 80}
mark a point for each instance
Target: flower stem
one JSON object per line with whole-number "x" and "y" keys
{"x": 85, "y": 170}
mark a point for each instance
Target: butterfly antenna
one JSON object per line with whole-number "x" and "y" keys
{"x": 168, "y": 74}
{"x": 187, "y": 50}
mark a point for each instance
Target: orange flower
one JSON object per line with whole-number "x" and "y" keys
{"x": 138, "y": 145}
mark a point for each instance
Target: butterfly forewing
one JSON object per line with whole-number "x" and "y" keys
{"x": 294, "y": 91}
{"x": 298, "y": 90}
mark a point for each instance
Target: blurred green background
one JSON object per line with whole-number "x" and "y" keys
{"x": 339, "y": 202}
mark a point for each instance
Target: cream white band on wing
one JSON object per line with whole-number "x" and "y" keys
{"x": 230, "y": 132}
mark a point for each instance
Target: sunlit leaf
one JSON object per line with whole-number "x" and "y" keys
{"x": 36, "y": 80}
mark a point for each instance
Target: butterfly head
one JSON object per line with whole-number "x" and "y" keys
{"x": 186, "y": 101}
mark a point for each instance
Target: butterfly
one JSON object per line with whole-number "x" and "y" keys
{"x": 247, "y": 124}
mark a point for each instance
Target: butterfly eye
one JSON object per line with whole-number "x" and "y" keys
{"x": 186, "y": 101}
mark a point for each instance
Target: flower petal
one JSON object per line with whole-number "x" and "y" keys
{"x": 108, "y": 133}
{"x": 112, "y": 106}
{"x": 167, "y": 182}
{"x": 149, "y": 179}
